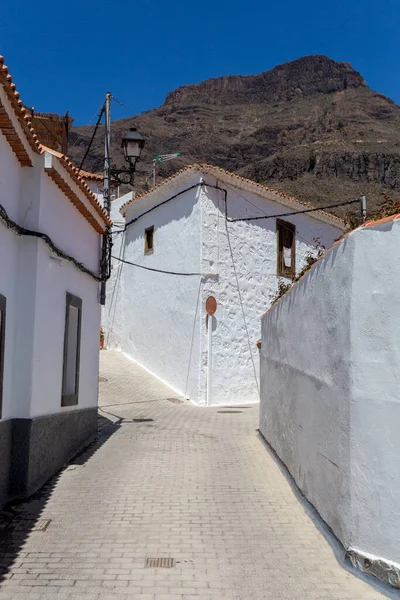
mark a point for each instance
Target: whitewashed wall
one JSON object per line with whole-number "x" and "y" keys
{"x": 154, "y": 317}
{"x": 35, "y": 286}
{"x": 10, "y": 181}
{"x": 54, "y": 279}
{"x": 160, "y": 321}
{"x": 244, "y": 254}
{"x": 330, "y": 403}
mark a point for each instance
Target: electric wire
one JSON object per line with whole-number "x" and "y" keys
{"x": 127, "y": 262}
{"x": 92, "y": 138}
{"x": 266, "y": 215}
{"x": 132, "y": 112}
{"x": 10, "y": 224}
{"x": 80, "y": 137}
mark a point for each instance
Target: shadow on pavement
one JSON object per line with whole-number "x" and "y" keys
{"x": 18, "y": 519}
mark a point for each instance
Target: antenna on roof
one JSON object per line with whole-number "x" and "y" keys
{"x": 162, "y": 158}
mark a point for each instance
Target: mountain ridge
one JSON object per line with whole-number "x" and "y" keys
{"x": 310, "y": 127}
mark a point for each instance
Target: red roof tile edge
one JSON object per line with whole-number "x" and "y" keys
{"x": 19, "y": 109}
{"x": 38, "y": 148}
{"x": 80, "y": 181}
{"x": 214, "y": 170}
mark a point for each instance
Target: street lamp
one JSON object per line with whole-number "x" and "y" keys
{"x": 132, "y": 145}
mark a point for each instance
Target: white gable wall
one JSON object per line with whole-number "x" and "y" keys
{"x": 54, "y": 279}
{"x": 244, "y": 254}
{"x": 10, "y": 181}
{"x": 154, "y": 317}
{"x": 160, "y": 320}
{"x": 35, "y": 286}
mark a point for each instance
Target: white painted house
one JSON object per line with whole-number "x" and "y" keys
{"x": 181, "y": 237}
{"x": 51, "y": 227}
{"x": 330, "y": 400}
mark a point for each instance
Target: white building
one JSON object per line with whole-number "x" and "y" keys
{"x": 186, "y": 250}
{"x": 49, "y": 305}
{"x": 330, "y": 401}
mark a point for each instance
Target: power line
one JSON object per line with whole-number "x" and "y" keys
{"x": 92, "y": 138}
{"x": 57, "y": 251}
{"x": 297, "y": 212}
{"x": 127, "y": 262}
{"x": 80, "y": 137}
{"x": 267, "y": 216}
{"x": 132, "y": 112}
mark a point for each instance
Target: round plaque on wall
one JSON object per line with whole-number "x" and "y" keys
{"x": 211, "y": 305}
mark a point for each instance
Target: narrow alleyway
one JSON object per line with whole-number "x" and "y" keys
{"x": 168, "y": 480}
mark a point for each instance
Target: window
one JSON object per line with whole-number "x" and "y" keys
{"x": 72, "y": 343}
{"x": 148, "y": 240}
{"x": 2, "y": 345}
{"x": 286, "y": 242}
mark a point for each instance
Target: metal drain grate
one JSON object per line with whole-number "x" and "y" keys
{"x": 231, "y": 412}
{"x": 159, "y": 563}
{"x": 26, "y": 525}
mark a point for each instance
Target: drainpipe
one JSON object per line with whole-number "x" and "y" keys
{"x": 209, "y": 358}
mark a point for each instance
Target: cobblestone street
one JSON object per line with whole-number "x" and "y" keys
{"x": 169, "y": 480}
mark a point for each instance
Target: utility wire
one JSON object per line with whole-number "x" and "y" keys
{"x": 92, "y": 138}
{"x": 127, "y": 262}
{"x": 80, "y": 137}
{"x": 297, "y": 212}
{"x": 229, "y": 219}
{"x": 266, "y": 215}
{"x": 132, "y": 112}
{"x": 57, "y": 251}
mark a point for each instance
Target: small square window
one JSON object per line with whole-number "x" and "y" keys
{"x": 148, "y": 240}
{"x": 286, "y": 243}
{"x": 72, "y": 347}
{"x": 2, "y": 345}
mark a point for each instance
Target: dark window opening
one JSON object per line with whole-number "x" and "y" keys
{"x": 148, "y": 240}
{"x": 72, "y": 346}
{"x": 286, "y": 242}
{"x": 2, "y": 346}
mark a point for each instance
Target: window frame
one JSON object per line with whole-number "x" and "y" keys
{"x": 71, "y": 399}
{"x": 147, "y": 248}
{"x": 281, "y": 269}
{"x": 3, "y": 310}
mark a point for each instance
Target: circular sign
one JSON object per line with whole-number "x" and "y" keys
{"x": 211, "y": 305}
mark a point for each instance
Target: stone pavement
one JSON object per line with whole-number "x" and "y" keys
{"x": 167, "y": 479}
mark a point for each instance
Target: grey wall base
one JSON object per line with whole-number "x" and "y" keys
{"x": 5, "y": 459}
{"x": 32, "y": 450}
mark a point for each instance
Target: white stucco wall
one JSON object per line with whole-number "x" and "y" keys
{"x": 9, "y": 198}
{"x": 330, "y": 405}
{"x": 160, "y": 320}
{"x": 35, "y": 286}
{"x": 154, "y": 317}
{"x": 54, "y": 279}
{"x": 244, "y": 254}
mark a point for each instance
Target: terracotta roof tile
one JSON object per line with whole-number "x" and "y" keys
{"x": 16, "y": 144}
{"x": 80, "y": 181}
{"x": 19, "y": 110}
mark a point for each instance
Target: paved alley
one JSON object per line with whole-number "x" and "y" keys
{"x": 169, "y": 480}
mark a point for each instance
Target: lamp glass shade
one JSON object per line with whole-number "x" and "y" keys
{"x": 132, "y": 145}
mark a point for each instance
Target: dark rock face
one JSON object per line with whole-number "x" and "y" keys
{"x": 310, "y": 127}
{"x": 303, "y": 77}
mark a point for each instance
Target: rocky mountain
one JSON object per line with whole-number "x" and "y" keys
{"x": 311, "y": 127}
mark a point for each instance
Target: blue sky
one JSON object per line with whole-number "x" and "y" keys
{"x": 65, "y": 56}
